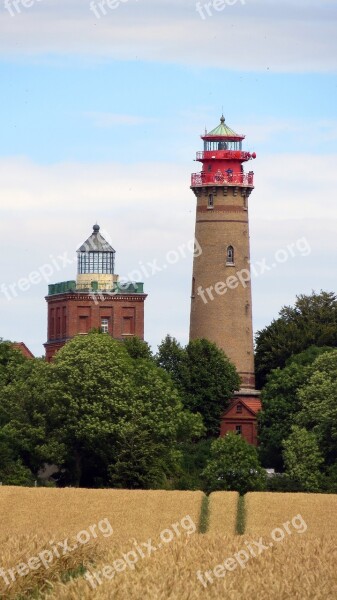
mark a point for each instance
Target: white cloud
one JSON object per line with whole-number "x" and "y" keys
{"x": 288, "y": 36}
{"x": 148, "y": 210}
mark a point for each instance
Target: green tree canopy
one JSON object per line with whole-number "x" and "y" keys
{"x": 24, "y": 435}
{"x": 233, "y": 465}
{"x": 204, "y": 376}
{"x": 319, "y": 406}
{"x": 102, "y": 411}
{"x": 10, "y": 359}
{"x": 211, "y": 382}
{"x": 302, "y": 458}
{"x": 312, "y": 321}
{"x": 280, "y": 404}
{"x": 137, "y": 348}
{"x": 171, "y": 357}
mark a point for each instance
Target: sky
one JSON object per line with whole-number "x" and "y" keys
{"x": 102, "y": 107}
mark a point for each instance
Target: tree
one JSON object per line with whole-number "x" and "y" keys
{"x": 204, "y": 376}
{"x": 10, "y": 360}
{"x": 280, "y": 404}
{"x": 302, "y": 458}
{"x": 211, "y": 382}
{"x": 26, "y": 434}
{"x": 171, "y": 357}
{"x": 137, "y": 348}
{"x": 318, "y": 405}
{"x": 118, "y": 419}
{"x": 233, "y": 466}
{"x": 312, "y": 321}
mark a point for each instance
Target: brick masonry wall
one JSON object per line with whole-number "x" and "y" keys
{"x": 227, "y": 318}
{"x": 72, "y": 314}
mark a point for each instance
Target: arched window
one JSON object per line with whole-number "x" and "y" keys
{"x": 230, "y": 255}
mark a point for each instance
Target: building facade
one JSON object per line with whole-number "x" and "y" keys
{"x": 97, "y": 299}
{"x": 221, "y": 299}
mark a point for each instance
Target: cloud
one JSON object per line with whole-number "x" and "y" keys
{"x": 284, "y": 37}
{"x": 148, "y": 210}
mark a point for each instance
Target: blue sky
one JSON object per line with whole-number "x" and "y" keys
{"x": 100, "y": 120}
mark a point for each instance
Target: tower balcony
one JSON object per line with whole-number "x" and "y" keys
{"x": 219, "y": 178}
{"x": 224, "y": 155}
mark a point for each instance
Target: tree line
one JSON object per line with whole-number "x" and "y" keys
{"x": 113, "y": 414}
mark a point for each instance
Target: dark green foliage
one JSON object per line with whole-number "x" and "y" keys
{"x": 211, "y": 382}
{"x": 137, "y": 348}
{"x": 102, "y": 411}
{"x": 22, "y": 416}
{"x": 171, "y": 357}
{"x": 10, "y": 359}
{"x": 280, "y": 404}
{"x": 241, "y": 516}
{"x": 312, "y": 321}
{"x": 194, "y": 458}
{"x": 233, "y": 466}
{"x": 204, "y": 515}
{"x": 302, "y": 458}
{"x": 318, "y": 405}
{"x": 281, "y": 482}
{"x": 204, "y": 376}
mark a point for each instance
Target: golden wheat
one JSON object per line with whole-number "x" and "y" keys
{"x": 223, "y": 511}
{"x": 132, "y": 513}
{"x": 265, "y": 511}
{"x": 32, "y": 518}
{"x": 297, "y": 569}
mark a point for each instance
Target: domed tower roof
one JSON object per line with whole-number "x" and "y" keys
{"x": 96, "y": 256}
{"x": 222, "y": 131}
{"x": 96, "y": 242}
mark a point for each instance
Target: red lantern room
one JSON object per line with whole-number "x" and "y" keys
{"x": 222, "y": 158}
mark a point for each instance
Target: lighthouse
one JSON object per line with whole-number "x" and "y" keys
{"x": 97, "y": 299}
{"x": 221, "y": 298}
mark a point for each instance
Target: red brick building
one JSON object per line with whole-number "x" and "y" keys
{"x": 21, "y": 346}
{"x": 97, "y": 299}
{"x": 241, "y": 417}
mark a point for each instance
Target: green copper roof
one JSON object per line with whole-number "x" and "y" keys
{"x": 222, "y": 130}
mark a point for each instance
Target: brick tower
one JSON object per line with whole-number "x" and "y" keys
{"x": 95, "y": 300}
{"x": 221, "y": 304}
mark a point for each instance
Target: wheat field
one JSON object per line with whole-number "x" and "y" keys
{"x": 266, "y": 510}
{"x": 222, "y": 513}
{"x": 155, "y": 551}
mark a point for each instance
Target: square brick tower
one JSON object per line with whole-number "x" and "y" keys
{"x": 221, "y": 304}
{"x": 95, "y": 300}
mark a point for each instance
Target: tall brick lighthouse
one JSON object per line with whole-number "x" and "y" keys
{"x": 221, "y": 304}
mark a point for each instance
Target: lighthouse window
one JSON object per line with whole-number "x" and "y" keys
{"x": 210, "y": 201}
{"x": 230, "y": 255}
